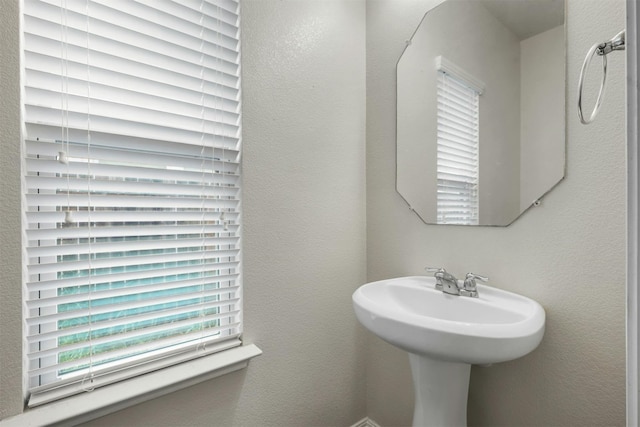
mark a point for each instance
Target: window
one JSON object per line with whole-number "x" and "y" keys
{"x": 457, "y": 145}
{"x": 132, "y": 188}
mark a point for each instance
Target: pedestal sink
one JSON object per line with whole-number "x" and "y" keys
{"x": 445, "y": 334}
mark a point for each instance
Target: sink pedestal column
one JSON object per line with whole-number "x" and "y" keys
{"x": 441, "y": 390}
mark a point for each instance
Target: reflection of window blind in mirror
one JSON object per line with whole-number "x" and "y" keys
{"x": 457, "y": 146}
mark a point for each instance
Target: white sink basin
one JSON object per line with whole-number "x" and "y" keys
{"x": 410, "y": 313}
{"x": 444, "y": 334}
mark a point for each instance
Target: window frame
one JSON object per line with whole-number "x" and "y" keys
{"x": 201, "y": 367}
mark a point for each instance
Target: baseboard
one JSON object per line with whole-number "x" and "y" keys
{"x": 366, "y": 422}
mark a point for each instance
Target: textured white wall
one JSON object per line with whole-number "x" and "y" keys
{"x": 304, "y": 225}
{"x": 10, "y": 271}
{"x": 568, "y": 254}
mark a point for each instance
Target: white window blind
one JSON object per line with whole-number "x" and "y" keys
{"x": 457, "y": 151}
{"x": 132, "y": 197}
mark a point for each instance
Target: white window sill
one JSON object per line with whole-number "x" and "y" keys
{"x": 105, "y": 400}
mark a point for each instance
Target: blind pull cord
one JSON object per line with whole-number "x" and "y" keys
{"x": 87, "y": 380}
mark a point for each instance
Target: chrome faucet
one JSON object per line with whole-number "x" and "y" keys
{"x": 447, "y": 283}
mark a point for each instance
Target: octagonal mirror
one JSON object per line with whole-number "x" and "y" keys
{"x": 481, "y": 110}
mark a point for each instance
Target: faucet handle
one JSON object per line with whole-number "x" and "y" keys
{"x": 439, "y": 275}
{"x": 469, "y": 287}
{"x": 475, "y": 276}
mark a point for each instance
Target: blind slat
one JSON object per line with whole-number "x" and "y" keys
{"x": 125, "y": 201}
{"x": 144, "y": 187}
{"x": 55, "y": 284}
{"x": 144, "y": 287}
{"x": 119, "y": 216}
{"x": 454, "y": 177}
{"x": 142, "y": 231}
{"x": 446, "y": 158}
{"x": 102, "y": 118}
{"x": 123, "y": 261}
{"x": 122, "y": 245}
{"x": 212, "y": 176}
{"x": 138, "y": 152}
{"x": 121, "y": 321}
